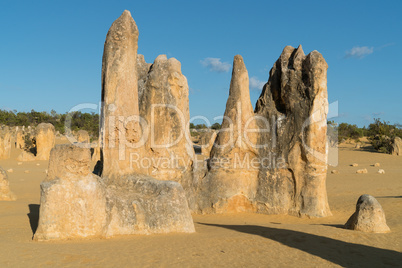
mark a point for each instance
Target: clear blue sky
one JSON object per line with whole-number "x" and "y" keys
{"x": 51, "y": 51}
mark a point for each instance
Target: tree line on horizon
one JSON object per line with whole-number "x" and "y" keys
{"x": 380, "y": 133}
{"x": 79, "y": 120}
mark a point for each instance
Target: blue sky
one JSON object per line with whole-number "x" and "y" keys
{"x": 51, "y": 51}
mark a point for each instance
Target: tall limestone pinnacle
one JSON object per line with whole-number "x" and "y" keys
{"x": 231, "y": 183}
{"x": 238, "y": 117}
{"x": 120, "y": 127}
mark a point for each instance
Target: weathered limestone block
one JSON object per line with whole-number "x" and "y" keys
{"x": 76, "y": 203}
{"x": 139, "y": 204}
{"x": 396, "y": 146}
{"x": 231, "y": 183}
{"x": 83, "y": 136}
{"x": 165, "y": 107}
{"x": 96, "y": 155}
{"x": 5, "y": 142}
{"x": 73, "y": 201}
{"x": 368, "y": 217}
{"x": 45, "y": 140}
{"x": 120, "y": 125}
{"x": 294, "y": 101}
{"x": 26, "y": 156}
{"x": 20, "y": 140}
{"x": 5, "y": 193}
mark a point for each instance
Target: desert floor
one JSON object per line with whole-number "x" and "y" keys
{"x": 234, "y": 240}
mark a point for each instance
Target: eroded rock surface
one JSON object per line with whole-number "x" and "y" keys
{"x": 229, "y": 186}
{"x": 5, "y": 142}
{"x": 45, "y": 140}
{"x": 120, "y": 124}
{"x": 396, "y": 146}
{"x": 5, "y": 193}
{"x": 294, "y": 101}
{"x": 76, "y": 203}
{"x": 368, "y": 217}
{"x": 165, "y": 107}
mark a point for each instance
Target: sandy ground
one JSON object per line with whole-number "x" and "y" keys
{"x": 234, "y": 240}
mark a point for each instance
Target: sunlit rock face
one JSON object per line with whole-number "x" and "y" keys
{"x": 120, "y": 126}
{"x": 164, "y": 105}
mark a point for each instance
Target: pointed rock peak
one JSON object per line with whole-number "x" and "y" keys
{"x": 125, "y": 23}
{"x": 126, "y": 13}
{"x": 299, "y": 51}
{"x": 238, "y": 64}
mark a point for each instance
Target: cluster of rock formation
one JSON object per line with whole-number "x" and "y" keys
{"x": 45, "y": 140}
{"x": 276, "y": 155}
{"x": 124, "y": 200}
{"x": 271, "y": 160}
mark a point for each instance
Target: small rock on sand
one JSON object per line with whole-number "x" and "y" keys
{"x": 38, "y": 164}
{"x": 361, "y": 171}
{"x": 26, "y": 171}
{"x": 381, "y": 171}
{"x": 334, "y": 171}
{"x": 354, "y": 165}
{"x": 19, "y": 163}
{"x": 377, "y": 164}
{"x": 10, "y": 170}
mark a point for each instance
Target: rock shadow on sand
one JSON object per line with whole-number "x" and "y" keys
{"x": 338, "y": 252}
{"x": 33, "y": 216}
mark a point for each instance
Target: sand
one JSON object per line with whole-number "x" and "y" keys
{"x": 232, "y": 240}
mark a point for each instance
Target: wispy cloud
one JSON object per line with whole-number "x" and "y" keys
{"x": 371, "y": 117}
{"x": 378, "y": 114}
{"x": 359, "y": 52}
{"x": 216, "y": 65}
{"x": 256, "y": 84}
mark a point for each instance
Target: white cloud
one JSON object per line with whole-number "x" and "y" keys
{"x": 216, "y": 65}
{"x": 256, "y": 84}
{"x": 359, "y": 52}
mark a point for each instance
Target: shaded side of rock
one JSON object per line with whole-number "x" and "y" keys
{"x": 142, "y": 74}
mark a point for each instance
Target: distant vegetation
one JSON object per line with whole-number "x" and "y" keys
{"x": 381, "y": 134}
{"x": 85, "y": 121}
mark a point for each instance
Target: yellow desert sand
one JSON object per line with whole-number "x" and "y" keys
{"x": 230, "y": 240}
